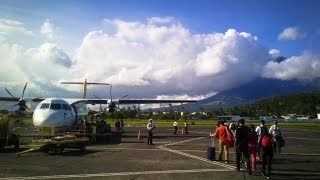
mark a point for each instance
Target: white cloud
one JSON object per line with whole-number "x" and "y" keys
{"x": 8, "y": 27}
{"x": 168, "y": 59}
{"x": 274, "y": 53}
{"x": 48, "y": 29}
{"x": 155, "y": 20}
{"x": 147, "y": 60}
{"x": 291, "y": 33}
{"x": 304, "y": 67}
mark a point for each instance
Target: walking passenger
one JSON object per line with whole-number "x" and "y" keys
{"x": 266, "y": 142}
{"x": 221, "y": 132}
{"x": 253, "y": 146}
{"x": 241, "y": 143}
{"x": 258, "y": 130}
{"x": 276, "y": 133}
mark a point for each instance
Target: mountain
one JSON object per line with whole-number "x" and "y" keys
{"x": 257, "y": 89}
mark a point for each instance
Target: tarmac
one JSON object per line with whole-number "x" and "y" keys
{"x": 124, "y": 156}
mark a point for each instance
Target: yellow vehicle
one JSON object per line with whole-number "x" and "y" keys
{"x": 7, "y": 137}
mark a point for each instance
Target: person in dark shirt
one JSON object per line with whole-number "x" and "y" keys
{"x": 241, "y": 143}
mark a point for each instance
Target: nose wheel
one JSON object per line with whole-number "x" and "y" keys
{"x": 58, "y": 150}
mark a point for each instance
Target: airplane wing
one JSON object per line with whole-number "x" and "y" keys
{"x": 152, "y": 101}
{"x": 17, "y": 99}
{"x": 130, "y": 101}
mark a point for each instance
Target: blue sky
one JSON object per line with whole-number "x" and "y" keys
{"x": 214, "y": 38}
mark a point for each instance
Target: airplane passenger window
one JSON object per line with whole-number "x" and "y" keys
{"x": 65, "y": 107}
{"x": 45, "y": 106}
{"x": 55, "y": 106}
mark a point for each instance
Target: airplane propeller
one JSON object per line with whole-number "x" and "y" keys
{"x": 22, "y": 103}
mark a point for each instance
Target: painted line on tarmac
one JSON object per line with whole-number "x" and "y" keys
{"x": 199, "y": 132}
{"x": 116, "y": 174}
{"x": 199, "y": 158}
{"x": 180, "y": 142}
{"x": 135, "y": 149}
{"x": 164, "y": 147}
{"x": 311, "y": 139}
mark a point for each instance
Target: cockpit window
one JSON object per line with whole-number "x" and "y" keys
{"x": 55, "y": 106}
{"x": 45, "y": 106}
{"x": 66, "y": 107}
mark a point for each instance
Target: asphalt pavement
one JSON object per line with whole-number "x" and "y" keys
{"x": 181, "y": 156}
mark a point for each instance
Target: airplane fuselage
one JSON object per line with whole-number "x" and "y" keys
{"x": 54, "y": 112}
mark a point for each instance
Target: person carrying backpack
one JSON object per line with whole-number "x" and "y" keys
{"x": 276, "y": 133}
{"x": 266, "y": 143}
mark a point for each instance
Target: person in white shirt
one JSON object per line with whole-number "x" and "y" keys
{"x": 150, "y": 128}
{"x": 277, "y": 135}
{"x": 258, "y": 129}
{"x": 175, "y": 126}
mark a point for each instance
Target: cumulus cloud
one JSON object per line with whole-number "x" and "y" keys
{"x": 291, "y": 33}
{"x": 11, "y": 27}
{"x": 168, "y": 59}
{"x": 274, "y": 53}
{"x": 155, "y": 20}
{"x": 48, "y": 29}
{"x": 43, "y": 67}
{"x": 304, "y": 67}
{"x": 152, "y": 59}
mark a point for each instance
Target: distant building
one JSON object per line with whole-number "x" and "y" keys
{"x": 266, "y": 118}
{"x": 318, "y": 116}
{"x": 228, "y": 118}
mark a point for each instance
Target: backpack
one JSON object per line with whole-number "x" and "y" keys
{"x": 266, "y": 141}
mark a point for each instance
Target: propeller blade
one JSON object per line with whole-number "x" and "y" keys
{"x": 24, "y": 90}
{"x": 96, "y": 97}
{"x": 27, "y": 107}
{"x": 9, "y": 93}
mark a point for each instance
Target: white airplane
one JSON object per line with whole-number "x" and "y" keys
{"x": 64, "y": 112}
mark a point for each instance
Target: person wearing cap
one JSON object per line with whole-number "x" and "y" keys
{"x": 150, "y": 128}
{"x": 277, "y": 135}
{"x": 241, "y": 144}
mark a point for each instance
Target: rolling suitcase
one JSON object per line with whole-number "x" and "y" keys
{"x": 211, "y": 152}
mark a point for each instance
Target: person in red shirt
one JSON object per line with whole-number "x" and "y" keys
{"x": 221, "y": 132}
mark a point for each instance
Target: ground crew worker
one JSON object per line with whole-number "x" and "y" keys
{"x": 94, "y": 132}
{"x": 175, "y": 126}
{"x": 186, "y": 126}
{"x": 150, "y": 128}
{"x": 241, "y": 143}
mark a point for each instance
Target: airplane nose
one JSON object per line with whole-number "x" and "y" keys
{"x": 39, "y": 118}
{"x": 44, "y": 119}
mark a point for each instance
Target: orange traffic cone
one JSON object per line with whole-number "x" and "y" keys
{"x": 139, "y": 135}
{"x": 182, "y": 131}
